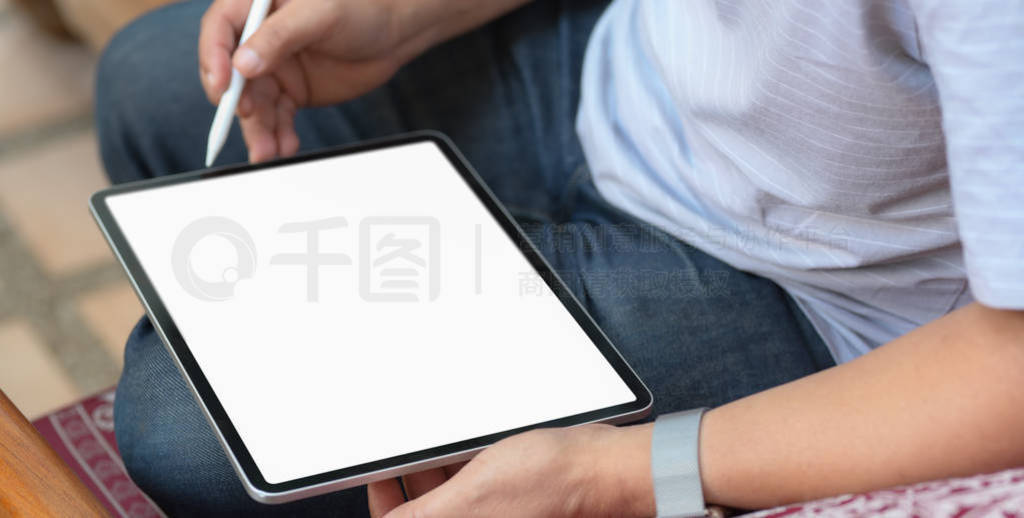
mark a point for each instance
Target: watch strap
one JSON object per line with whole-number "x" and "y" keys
{"x": 675, "y": 465}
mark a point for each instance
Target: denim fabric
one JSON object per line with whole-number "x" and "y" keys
{"x": 697, "y": 331}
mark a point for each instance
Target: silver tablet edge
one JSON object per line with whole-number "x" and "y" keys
{"x": 365, "y": 478}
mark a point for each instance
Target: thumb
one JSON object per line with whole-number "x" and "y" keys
{"x": 284, "y": 32}
{"x": 440, "y": 502}
{"x": 409, "y": 509}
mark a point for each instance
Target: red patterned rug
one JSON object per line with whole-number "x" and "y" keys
{"x": 83, "y": 435}
{"x": 992, "y": 495}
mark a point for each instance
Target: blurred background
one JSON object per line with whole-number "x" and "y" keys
{"x": 65, "y": 306}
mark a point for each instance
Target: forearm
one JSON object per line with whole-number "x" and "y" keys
{"x": 425, "y": 24}
{"x": 941, "y": 401}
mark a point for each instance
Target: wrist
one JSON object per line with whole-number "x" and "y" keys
{"x": 640, "y": 485}
{"x": 421, "y": 24}
{"x": 622, "y": 482}
{"x": 415, "y": 26}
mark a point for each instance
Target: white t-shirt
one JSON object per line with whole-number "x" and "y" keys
{"x": 855, "y": 152}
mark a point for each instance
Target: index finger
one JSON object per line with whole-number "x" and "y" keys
{"x": 219, "y": 31}
{"x": 383, "y": 496}
{"x": 419, "y": 484}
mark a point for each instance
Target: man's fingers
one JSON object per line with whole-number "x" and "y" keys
{"x": 442, "y": 502}
{"x": 259, "y": 127}
{"x": 284, "y": 32}
{"x": 259, "y": 138}
{"x": 266, "y": 114}
{"x": 218, "y": 34}
{"x": 245, "y": 104}
{"x": 451, "y": 469}
{"x": 287, "y": 139}
{"x": 384, "y": 496}
{"x": 216, "y": 75}
{"x": 419, "y": 484}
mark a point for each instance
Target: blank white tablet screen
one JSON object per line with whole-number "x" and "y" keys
{"x": 355, "y": 308}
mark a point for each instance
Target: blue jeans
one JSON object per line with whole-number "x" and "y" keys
{"x": 697, "y": 331}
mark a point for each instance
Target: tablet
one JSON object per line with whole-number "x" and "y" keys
{"x": 359, "y": 313}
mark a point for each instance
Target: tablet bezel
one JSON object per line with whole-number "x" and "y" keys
{"x": 352, "y": 476}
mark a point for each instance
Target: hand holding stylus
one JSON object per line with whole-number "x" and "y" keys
{"x": 305, "y": 53}
{"x": 316, "y": 53}
{"x": 229, "y": 99}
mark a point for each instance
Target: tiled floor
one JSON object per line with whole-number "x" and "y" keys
{"x": 65, "y": 306}
{"x": 44, "y": 80}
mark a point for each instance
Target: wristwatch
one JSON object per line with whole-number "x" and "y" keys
{"x": 675, "y": 465}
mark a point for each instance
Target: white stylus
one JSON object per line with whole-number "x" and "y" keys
{"x": 229, "y": 100}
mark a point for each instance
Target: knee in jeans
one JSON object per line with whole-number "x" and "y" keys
{"x": 164, "y": 440}
{"x": 173, "y": 455}
{"x": 147, "y": 86}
